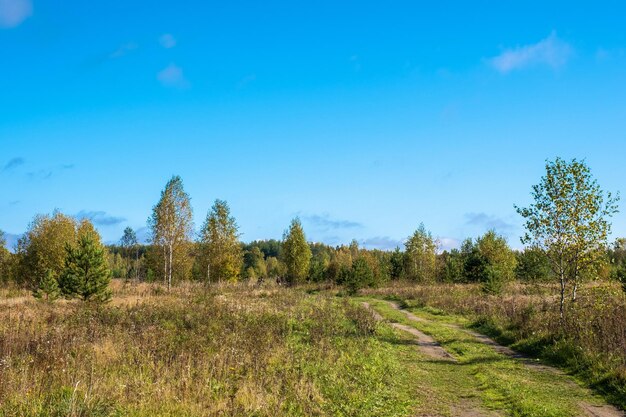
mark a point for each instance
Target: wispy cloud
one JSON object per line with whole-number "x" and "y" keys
{"x": 42, "y": 174}
{"x": 605, "y": 55}
{"x": 246, "y": 80}
{"x": 14, "y": 162}
{"x": 551, "y": 51}
{"x": 14, "y": 12}
{"x": 47, "y": 173}
{"x": 172, "y": 76}
{"x": 124, "y": 49}
{"x": 110, "y": 55}
{"x": 381, "y": 242}
{"x": 167, "y": 41}
{"x": 488, "y": 221}
{"x": 324, "y": 222}
{"x": 99, "y": 218}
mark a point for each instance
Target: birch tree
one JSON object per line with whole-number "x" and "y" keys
{"x": 171, "y": 224}
{"x": 296, "y": 253}
{"x": 42, "y": 247}
{"x": 219, "y": 241}
{"x": 569, "y": 221}
{"x": 129, "y": 244}
{"x": 421, "y": 256}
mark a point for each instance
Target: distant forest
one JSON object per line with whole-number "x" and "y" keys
{"x": 215, "y": 254}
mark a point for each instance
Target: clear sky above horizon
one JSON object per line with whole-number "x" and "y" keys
{"x": 363, "y": 118}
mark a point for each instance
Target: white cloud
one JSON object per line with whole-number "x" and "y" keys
{"x": 489, "y": 222}
{"x": 550, "y": 51}
{"x": 381, "y": 242}
{"x": 448, "y": 243}
{"x": 167, "y": 41}
{"x": 123, "y": 50}
{"x": 324, "y": 222}
{"x": 100, "y": 218}
{"x": 14, "y": 12}
{"x": 172, "y": 76}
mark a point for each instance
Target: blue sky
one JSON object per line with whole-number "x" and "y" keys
{"x": 363, "y": 118}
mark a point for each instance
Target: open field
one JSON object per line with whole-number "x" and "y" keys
{"x": 243, "y": 350}
{"x": 198, "y": 351}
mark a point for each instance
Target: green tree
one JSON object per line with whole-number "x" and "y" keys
{"x": 451, "y": 269}
{"x": 533, "y": 265}
{"x": 360, "y": 276}
{"x": 255, "y": 265}
{"x": 488, "y": 261}
{"x": 171, "y": 224}
{"x": 296, "y": 253}
{"x": 396, "y": 264}
{"x": 130, "y": 247}
{"x": 42, "y": 247}
{"x": 86, "y": 274}
{"x": 4, "y": 259}
{"x": 219, "y": 239}
{"x": 617, "y": 261}
{"x": 376, "y": 261}
{"x": 569, "y": 221}
{"x": 340, "y": 264}
{"x": 421, "y": 256}
{"x": 320, "y": 261}
{"x": 276, "y": 269}
{"x": 473, "y": 263}
{"x": 48, "y": 288}
{"x": 499, "y": 261}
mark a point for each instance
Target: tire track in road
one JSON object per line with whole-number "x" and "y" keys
{"x": 427, "y": 345}
{"x": 591, "y": 410}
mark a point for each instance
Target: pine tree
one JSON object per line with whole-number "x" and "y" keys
{"x": 360, "y": 276}
{"x": 86, "y": 274}
{"x": 48, "y": 288}
{"x": 296, "y": 253}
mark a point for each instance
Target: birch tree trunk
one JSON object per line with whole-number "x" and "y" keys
{"x": 169, "y": 275}
{"x": 165, "y": 264}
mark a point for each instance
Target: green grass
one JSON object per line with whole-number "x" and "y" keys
{"x": 500, "y": 382}
{"x": 239, "y": 352}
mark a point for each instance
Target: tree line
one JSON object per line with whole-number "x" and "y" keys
{"x": 567, "y": 231}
